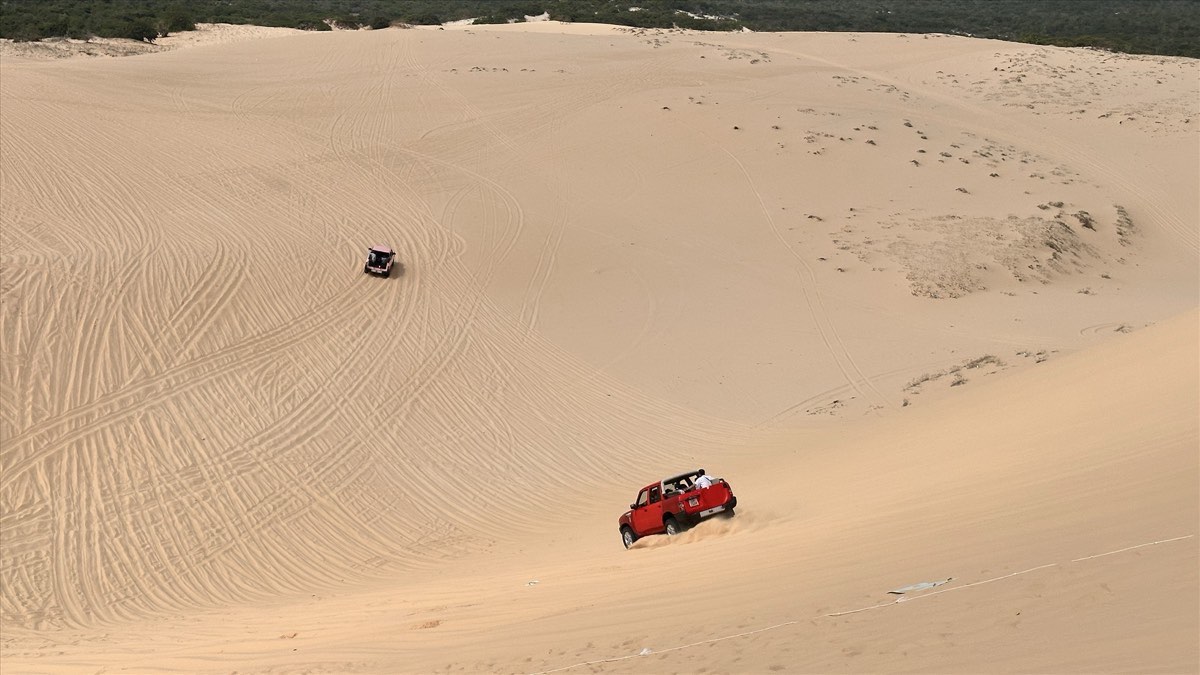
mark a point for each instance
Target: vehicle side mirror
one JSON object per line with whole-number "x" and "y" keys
{"x": 632, "y": 507}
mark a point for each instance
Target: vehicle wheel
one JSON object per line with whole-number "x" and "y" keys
{"x": 387, "y": 274}
{"x": 365, "y": 270}
{"x": 627, "y": 537}
{"x": 728, "y": 513}
{"x": 672, "y": 526}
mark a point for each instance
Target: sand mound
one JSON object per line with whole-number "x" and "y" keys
{"x": 204, "y": 35}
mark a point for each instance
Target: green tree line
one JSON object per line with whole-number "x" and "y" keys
{"x": 1169, "y": 27}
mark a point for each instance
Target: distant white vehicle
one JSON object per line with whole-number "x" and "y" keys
{"x": 380, "y": 259}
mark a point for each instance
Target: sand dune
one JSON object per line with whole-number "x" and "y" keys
{"x": 928, "y": 302}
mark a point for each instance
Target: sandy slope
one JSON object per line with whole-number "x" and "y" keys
{"x": 204, "y": 35}
{"x": 895, "y": 288}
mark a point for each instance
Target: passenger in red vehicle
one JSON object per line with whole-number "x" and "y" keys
{"x": 703, "y": 481}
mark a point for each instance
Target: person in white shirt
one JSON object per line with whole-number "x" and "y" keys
{"x": 703, "y": 481}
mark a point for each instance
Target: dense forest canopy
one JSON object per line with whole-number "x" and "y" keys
{"x": 1169, "y": 27}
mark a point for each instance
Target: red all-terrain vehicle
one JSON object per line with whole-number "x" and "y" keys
{"x": 380, "y": 259}
{"x": 673, "y": 504}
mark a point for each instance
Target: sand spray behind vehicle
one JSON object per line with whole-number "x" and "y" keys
{"x": 711, "y": 528}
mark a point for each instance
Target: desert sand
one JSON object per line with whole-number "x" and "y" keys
{"x": 929, "y": 303}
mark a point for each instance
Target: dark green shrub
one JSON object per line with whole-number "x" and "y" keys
{"x": 426, "y": 19}
{"x": 312, "y": 24}
{"x": 178, "y": 18}
{"x": 140, "y": 29}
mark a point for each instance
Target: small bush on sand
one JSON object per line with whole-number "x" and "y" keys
{"x": 141, "y": 29}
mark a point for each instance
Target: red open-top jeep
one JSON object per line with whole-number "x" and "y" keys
{"x": 675, "y": 503}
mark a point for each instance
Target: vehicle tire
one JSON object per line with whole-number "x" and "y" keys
{"x": 728, "y": 513}
{"x": 366, "y": 270}
{"x": 628, "y": 537}
{"x": 672, "y": 526}
{"x": 387, "y": 274}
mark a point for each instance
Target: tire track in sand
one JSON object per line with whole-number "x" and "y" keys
{"x": 123, "y": 403}
{"x": 812, "y": 296}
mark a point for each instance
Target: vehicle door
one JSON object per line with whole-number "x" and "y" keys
{"x": 647, "y": 517}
